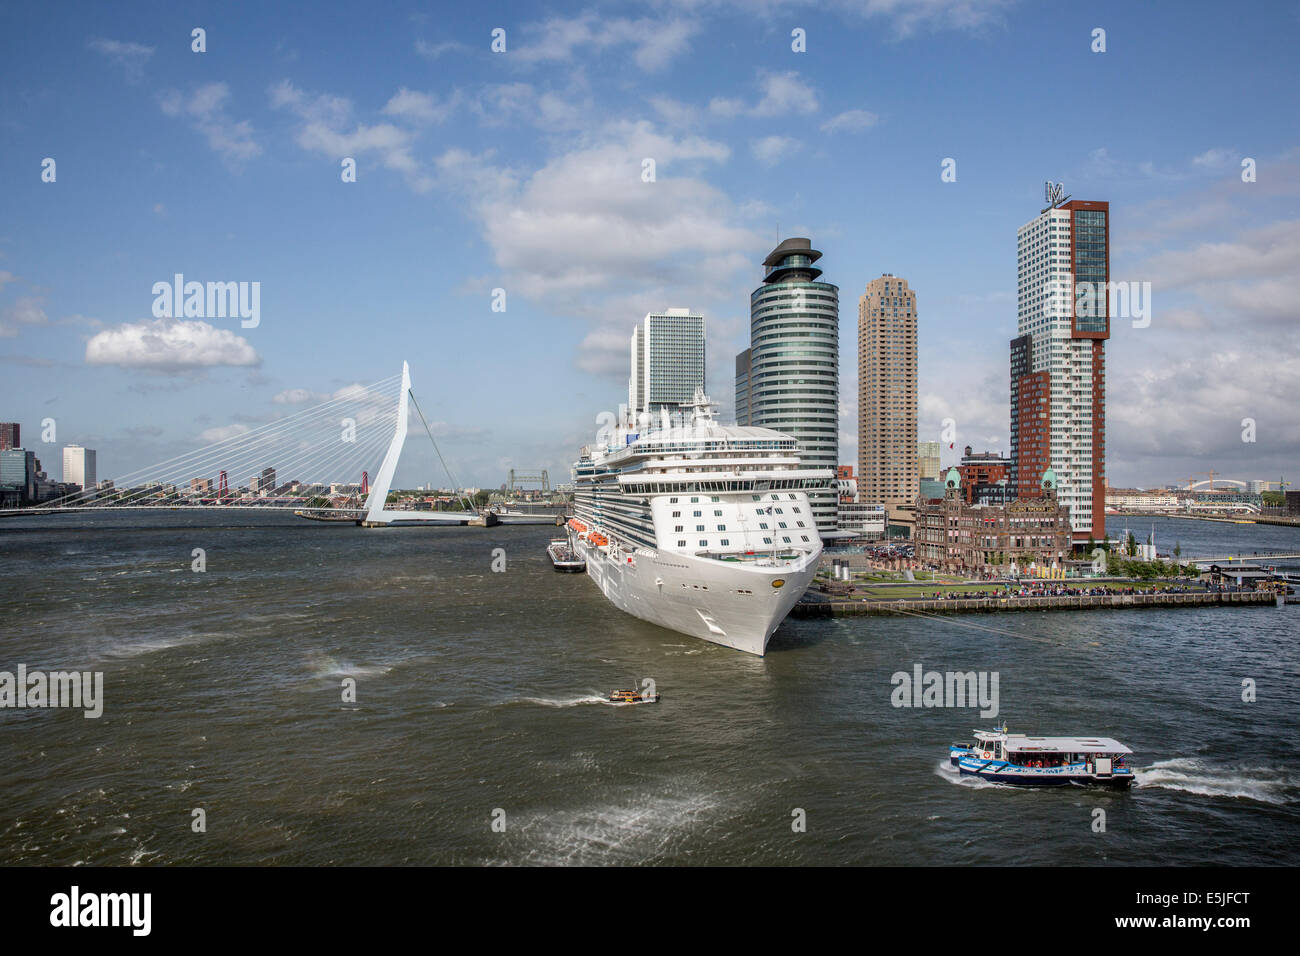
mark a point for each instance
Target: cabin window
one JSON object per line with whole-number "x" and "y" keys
{"x": 697, "y": 513}
{"x": 724, "y": 542}
{"x": 681, "y": 544}
{"x": 767, "y": 540}
{"x": 714, "y": 498}
{"x": 679, "y": 529}
{"x": 717, "y": 512}
{"x": 722, "y": 527}
{"x": 672, "y": 501}
{"x": 763, "y": 525}
{"x": 704, "y": 543}
{"x": 695, "y": 501}
{"x": 677, "y": 514}
{"x": 699, "y": 527}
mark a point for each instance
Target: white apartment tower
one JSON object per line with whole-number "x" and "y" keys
{"x": 79, "y": 466}
{"x": 667, "y": 361}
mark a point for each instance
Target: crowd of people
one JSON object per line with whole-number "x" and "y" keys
{"x": 1051, "y": 589}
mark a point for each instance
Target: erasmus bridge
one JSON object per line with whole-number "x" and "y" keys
{"x": 293, "y": 463}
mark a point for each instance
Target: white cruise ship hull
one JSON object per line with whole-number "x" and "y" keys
{"x": 736, "y": 604}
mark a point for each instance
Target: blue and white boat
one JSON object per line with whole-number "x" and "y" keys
{"x": 1043, "y": 761}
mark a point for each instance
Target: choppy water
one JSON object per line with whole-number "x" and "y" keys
{"x": 479, "y": 691}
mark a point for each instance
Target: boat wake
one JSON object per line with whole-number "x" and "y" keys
{"x": 953, "y": 775}
{"x": 559, "y": 701}
{"x": 1195, "y": 776}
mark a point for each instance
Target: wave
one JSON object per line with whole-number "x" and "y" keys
{"x": 322, "y": 667}
{"x": 138, "y": 648}
{"x": 642, "y": 830}
{"x": 1199, "y": 777}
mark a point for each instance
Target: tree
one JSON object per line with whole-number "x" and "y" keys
{"x": 1178, "y": 550}
{"x": 1132, "y": 548}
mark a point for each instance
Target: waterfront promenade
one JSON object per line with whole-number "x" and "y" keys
{"x": 817, "y": 605}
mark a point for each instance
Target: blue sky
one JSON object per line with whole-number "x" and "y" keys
{"x": 521, "y": 170}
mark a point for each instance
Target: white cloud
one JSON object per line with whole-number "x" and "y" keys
{"x": 770, "y": 150}
{"x": 1215, "y": 159}
{"x": 655, "y": 42}
{"x": 909, "y": 16}
{"x": 785, "y": 94}
{"x": 780, "y": 95}
{"x": 205, "y": 109}
{"x": 131, "y": 57}
{"x": 1262, "y": 252}
{"x": 298, "y": 396}
{"x": 326, "y": 127}
{"x": 170, "y": 345}
{"x": 644, "y": 245}
{"x": 420, "y": 107}
{"x": 850, "y": 121}
{"x": 223, "y": 433}
{"x": 674, "y": 112}
{"x": 432, "y": 51}
{"x": 28, "y": 310}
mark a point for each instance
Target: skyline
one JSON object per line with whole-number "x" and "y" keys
{"x": 523, "y": 171}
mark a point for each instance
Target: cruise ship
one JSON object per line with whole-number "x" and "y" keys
{"x": 697, "y": 526}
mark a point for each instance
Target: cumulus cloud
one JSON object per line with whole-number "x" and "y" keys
{"x": 676, "y": 241}
{"x": 205, "y": 108}
{"x": 326, "y": 126}
{"x": 780, "y": 95}
{"x": 170, "y": 345}
{"x": 770, "y": 150}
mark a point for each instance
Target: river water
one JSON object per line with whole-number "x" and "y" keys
{"x": 478, "y": 736}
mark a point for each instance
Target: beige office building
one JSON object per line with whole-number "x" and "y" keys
{"x": 888, "y": 468}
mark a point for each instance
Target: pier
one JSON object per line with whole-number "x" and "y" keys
{"x": 816, "y": 608}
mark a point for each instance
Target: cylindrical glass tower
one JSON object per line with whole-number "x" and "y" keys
{"x": 794, "y": 324}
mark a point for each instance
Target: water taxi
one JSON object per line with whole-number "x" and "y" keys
{"x": 631, "y": 697}
{"x": 1043, "y": 761}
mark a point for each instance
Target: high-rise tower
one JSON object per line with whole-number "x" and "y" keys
{"x": 667, "y": 354}
{"x": 1058, "y": 361}
{"x": 793, "y": 381}
{"x": 888, "y": 469}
